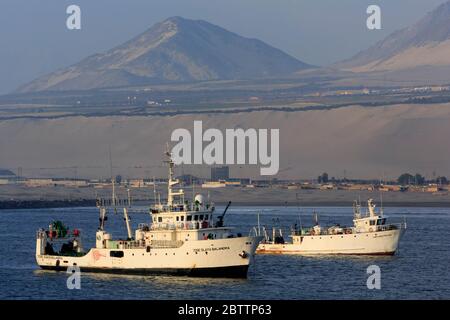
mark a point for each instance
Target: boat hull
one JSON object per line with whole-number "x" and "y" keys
{"x": 227, "y": 258}
{"x": 370, "y": 243}
{"x": 216, "y": 272}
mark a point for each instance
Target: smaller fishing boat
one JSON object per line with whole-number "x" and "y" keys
{"x": 369, "y": 235}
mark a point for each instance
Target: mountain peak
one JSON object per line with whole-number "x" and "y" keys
{"x": 435, "y": 26}
{"x": 177, "y": 20}
{"x": 174, "y": 50}
{"x": 173, "y": 23}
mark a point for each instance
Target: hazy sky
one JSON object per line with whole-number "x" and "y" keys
{"x": 35, "y": 40}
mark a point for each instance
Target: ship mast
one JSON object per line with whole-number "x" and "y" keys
{"x": 113, "y": 181}
{"x": 126, "y": 217}
{"x": 371, "y": 207}
{"x": 171, "y": 181}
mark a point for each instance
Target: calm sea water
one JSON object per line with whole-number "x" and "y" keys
{"x": 419, "y": 271}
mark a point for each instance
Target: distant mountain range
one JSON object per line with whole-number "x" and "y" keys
{"x": 424, "y": 44}
{"x": 175, "y": 50}
{"x": 181, "y": 50}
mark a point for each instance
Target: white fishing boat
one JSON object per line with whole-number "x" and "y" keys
{"x": 183, "y": 238}
{"x": 370, "y": 235}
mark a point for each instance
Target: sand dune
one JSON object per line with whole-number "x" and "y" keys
{"x": 365, "y": 142}
{"x": 433, "y": 54}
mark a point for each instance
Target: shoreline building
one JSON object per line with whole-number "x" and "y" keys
{"x": 220, "y": 173}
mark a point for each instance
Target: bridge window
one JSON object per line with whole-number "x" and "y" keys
{"x": 159, "y": 219}
{"x": 206, "y": 217}
{"x": 201, "y": 217}
{"x": 372, "y": 222}
{"x": 182, "y": 218}
{"x": 116, "y": 254}
{"x": 196, "y": 217}
{"x": 178, "y": 218}
{"x": 189, "y": 218}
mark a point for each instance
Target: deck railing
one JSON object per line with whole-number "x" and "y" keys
{"x": 386, "y": 227}
{"x": 194, "y": 225}
{"x": 166, "y": 243}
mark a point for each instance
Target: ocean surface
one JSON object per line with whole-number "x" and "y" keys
{"x": 420, "y": 270}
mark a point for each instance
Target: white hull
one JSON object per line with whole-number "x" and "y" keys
{"x": 218, "y": 257}
{"x": 368, "y": 243}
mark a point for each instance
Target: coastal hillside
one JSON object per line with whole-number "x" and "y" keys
{"x": 173, "y": 51}
{"x": 424, "y": 44}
